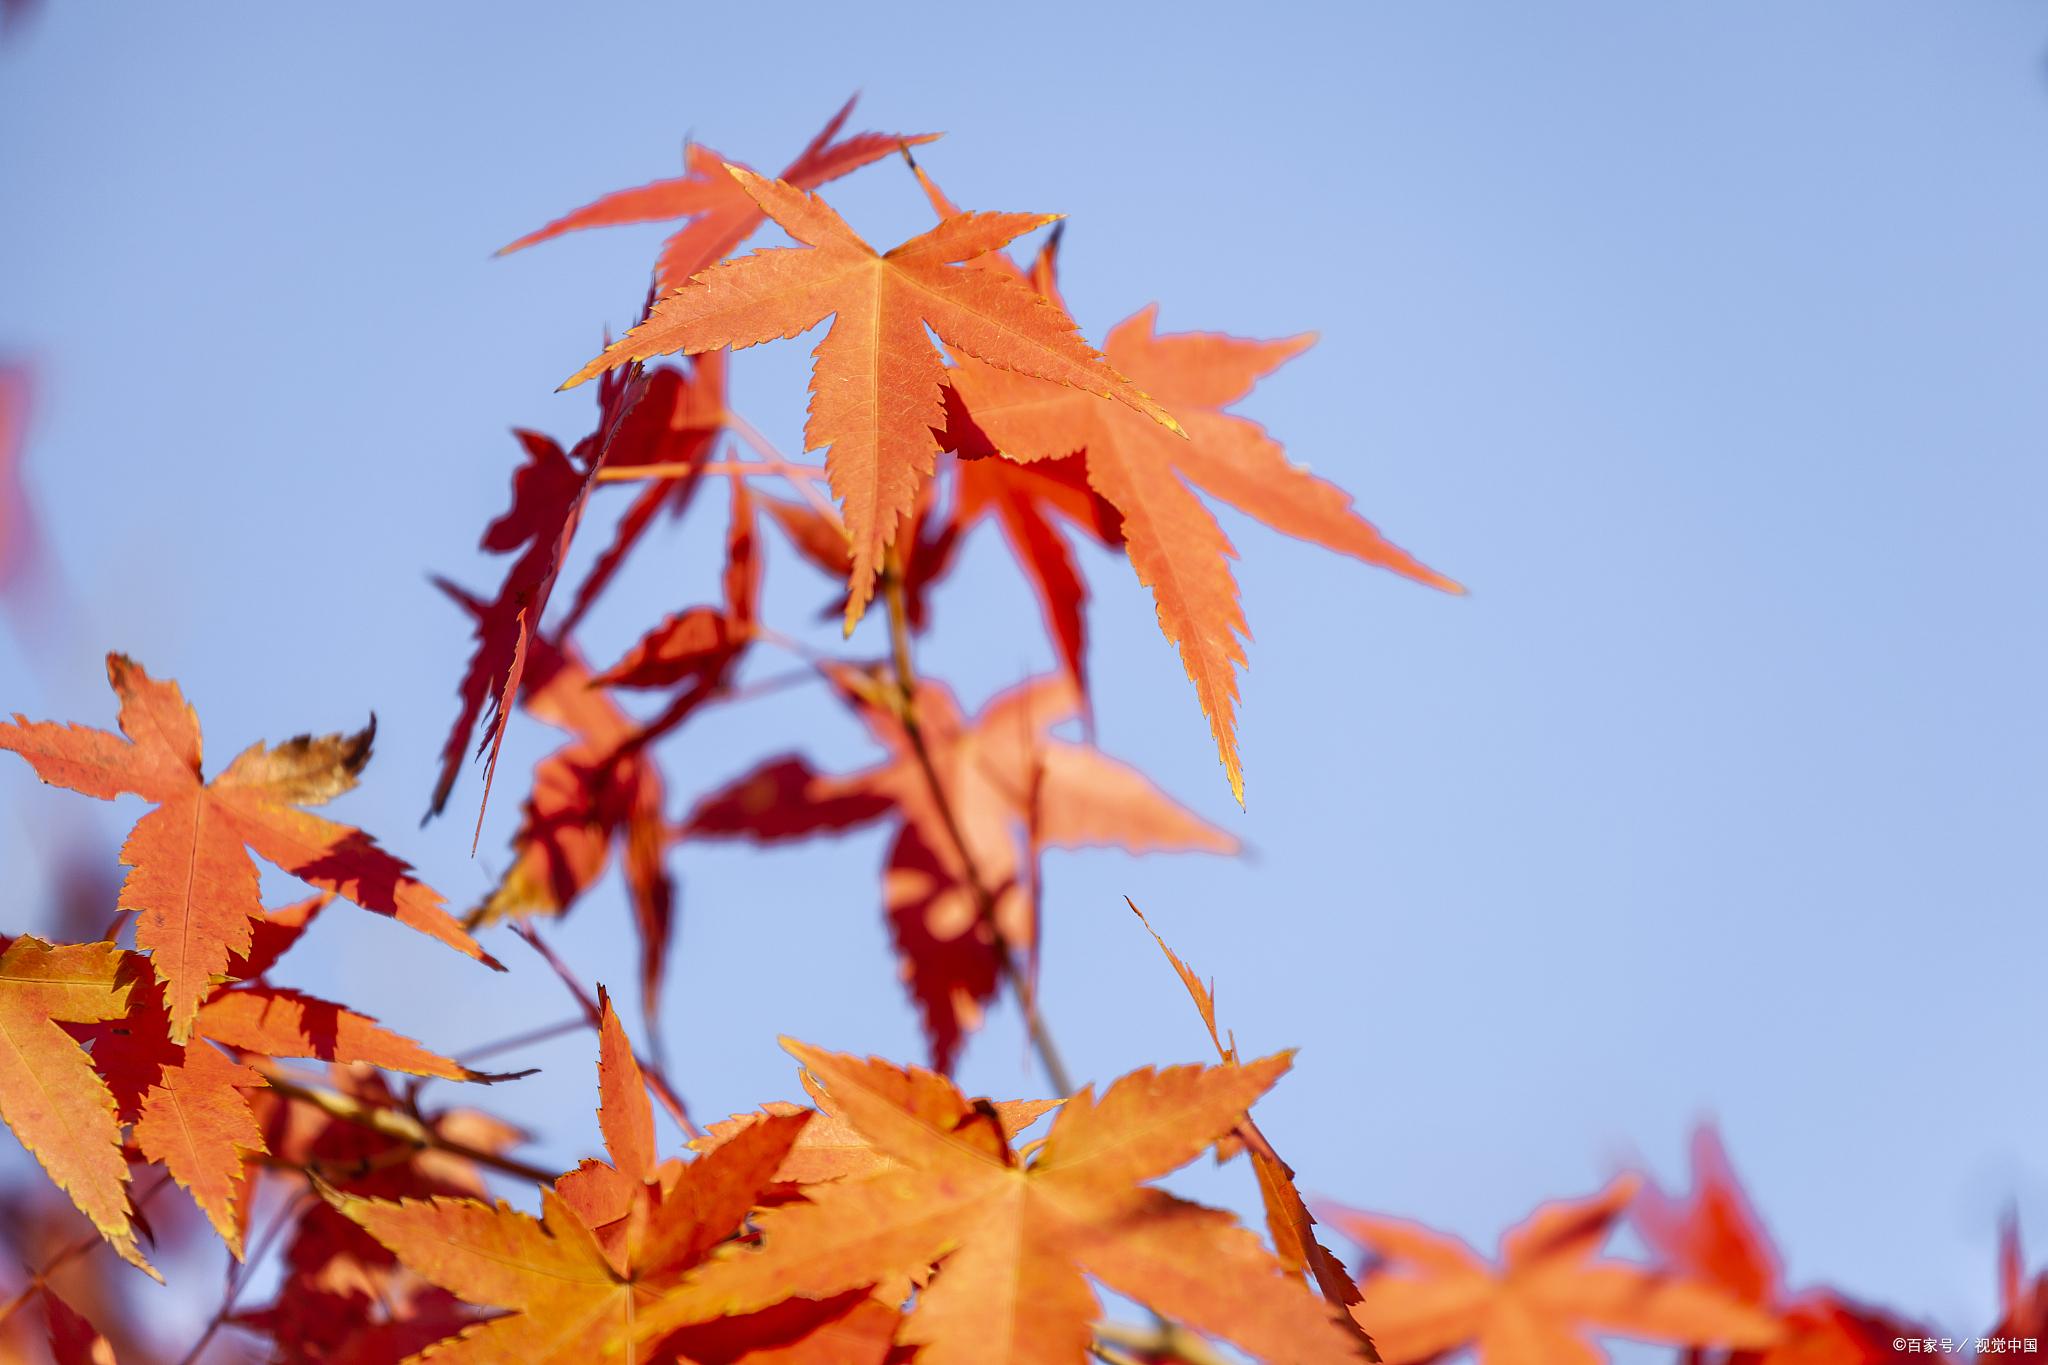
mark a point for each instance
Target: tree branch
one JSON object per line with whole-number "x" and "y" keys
{"x": 399, "y": 1126}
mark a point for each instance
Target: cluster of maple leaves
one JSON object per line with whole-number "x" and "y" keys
{"x": 893, "y": 1218}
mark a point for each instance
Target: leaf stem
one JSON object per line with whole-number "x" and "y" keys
{"x": 1014, "y": 975}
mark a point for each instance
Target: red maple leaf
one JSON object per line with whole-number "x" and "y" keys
{"x": 599, "y": 788}
{"x": 718, "y": 215}
{"x": 548, "y": 496}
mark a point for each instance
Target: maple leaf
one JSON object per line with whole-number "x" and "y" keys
{"x": 1173, "y": 541}
{"x": 191, "y": 877}
{"x": 877, "y": 384}
{"x": 719, "y": 214}
{"x": 50, "y": 1095}
{"x": 190, "y": 1105}
{"x": 1288, "y": 1221}
{"x": 1016, "y": 1243}
{"x": 1428, "y": 1293}
{"x": 1001, "y": 773}
{"x": 548, "y": 497}
{"x": 196, "y": 1120}
{"x": 613, "y": 1237}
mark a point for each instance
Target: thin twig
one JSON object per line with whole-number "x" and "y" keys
{"x": 1014, "y": 976}
{"x": 399, "y": 1126}
{"x": 656, "y": 1080}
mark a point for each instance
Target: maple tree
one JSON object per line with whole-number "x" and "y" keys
{"x": 889, "y": 1217}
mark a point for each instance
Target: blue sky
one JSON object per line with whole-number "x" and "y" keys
{"x": 1704, "y": 343}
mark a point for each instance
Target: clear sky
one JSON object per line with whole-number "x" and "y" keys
{"x": 1704, "y": 342}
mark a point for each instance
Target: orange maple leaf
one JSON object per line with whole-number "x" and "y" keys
{"x": 190, "y": 1105}
{"x": 1016, "y": 1243}
{"x": 1002, "y": 773}
{"x": 1173, "y": 541}
{"x": 613, "y": 1241}
{"x": 1427, "y": 1293}
{"x": 719, "y": 215}
{"x": 191, "y": 877}
{"x": 877, "y": 388}
{"x": 50, "y": 1095}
